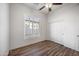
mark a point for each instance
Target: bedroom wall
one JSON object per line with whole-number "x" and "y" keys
{"x": 17, "y": 12}
{"x": 4, "y": 29}
{"x": 63, "y": 26}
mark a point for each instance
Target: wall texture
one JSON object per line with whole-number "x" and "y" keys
{"x": 4, "y": 29}
{"x": 17, "y": 12}
{"x": 63, "y": 26}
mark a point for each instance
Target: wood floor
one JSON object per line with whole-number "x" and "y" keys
{"x": 44, "y": 48}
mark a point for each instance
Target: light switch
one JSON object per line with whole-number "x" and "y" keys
{"x": 77, "y": 35}
{"x": 62, "y": 33}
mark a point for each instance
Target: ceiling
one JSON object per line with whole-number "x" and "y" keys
{"x": 37, "y": 6}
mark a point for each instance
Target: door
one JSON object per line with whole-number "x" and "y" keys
{"x": 57, "y": 32}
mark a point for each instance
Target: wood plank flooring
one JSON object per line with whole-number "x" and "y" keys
{"x": 44, "y": 48}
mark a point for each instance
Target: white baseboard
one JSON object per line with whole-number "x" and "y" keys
{"x": 5, "y": 53}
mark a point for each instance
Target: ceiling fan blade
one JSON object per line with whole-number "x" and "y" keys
{"x": 57, "y": 3}
{"x": 42, "y": 8}
{"x": 50, "y": 9}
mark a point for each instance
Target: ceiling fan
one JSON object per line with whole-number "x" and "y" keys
{"x": 49, "y": 5}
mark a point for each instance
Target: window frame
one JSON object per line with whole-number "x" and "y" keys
{"x": 32, "y": 33}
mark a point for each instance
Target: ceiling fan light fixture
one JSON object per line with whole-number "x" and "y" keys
{"x": 48, "y": 5}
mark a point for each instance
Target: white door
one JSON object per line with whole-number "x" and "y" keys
{"x": 57, "y": 32}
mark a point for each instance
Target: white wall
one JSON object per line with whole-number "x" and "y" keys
{"x": 63, "y": 26}
{"x": 4, "y": 28}
{"x": 17, "y": 12}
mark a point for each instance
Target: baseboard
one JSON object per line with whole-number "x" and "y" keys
{"x": 64, "y": 45}
{"x": 30, "y": 45}
{"x": 5, "y": 53}
{"x": 36, "y": 43}
{"x": 25, "y": 46}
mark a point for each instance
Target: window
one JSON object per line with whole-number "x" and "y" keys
{"x": 31, "y": 28}
{"x": 35, "y": 27}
